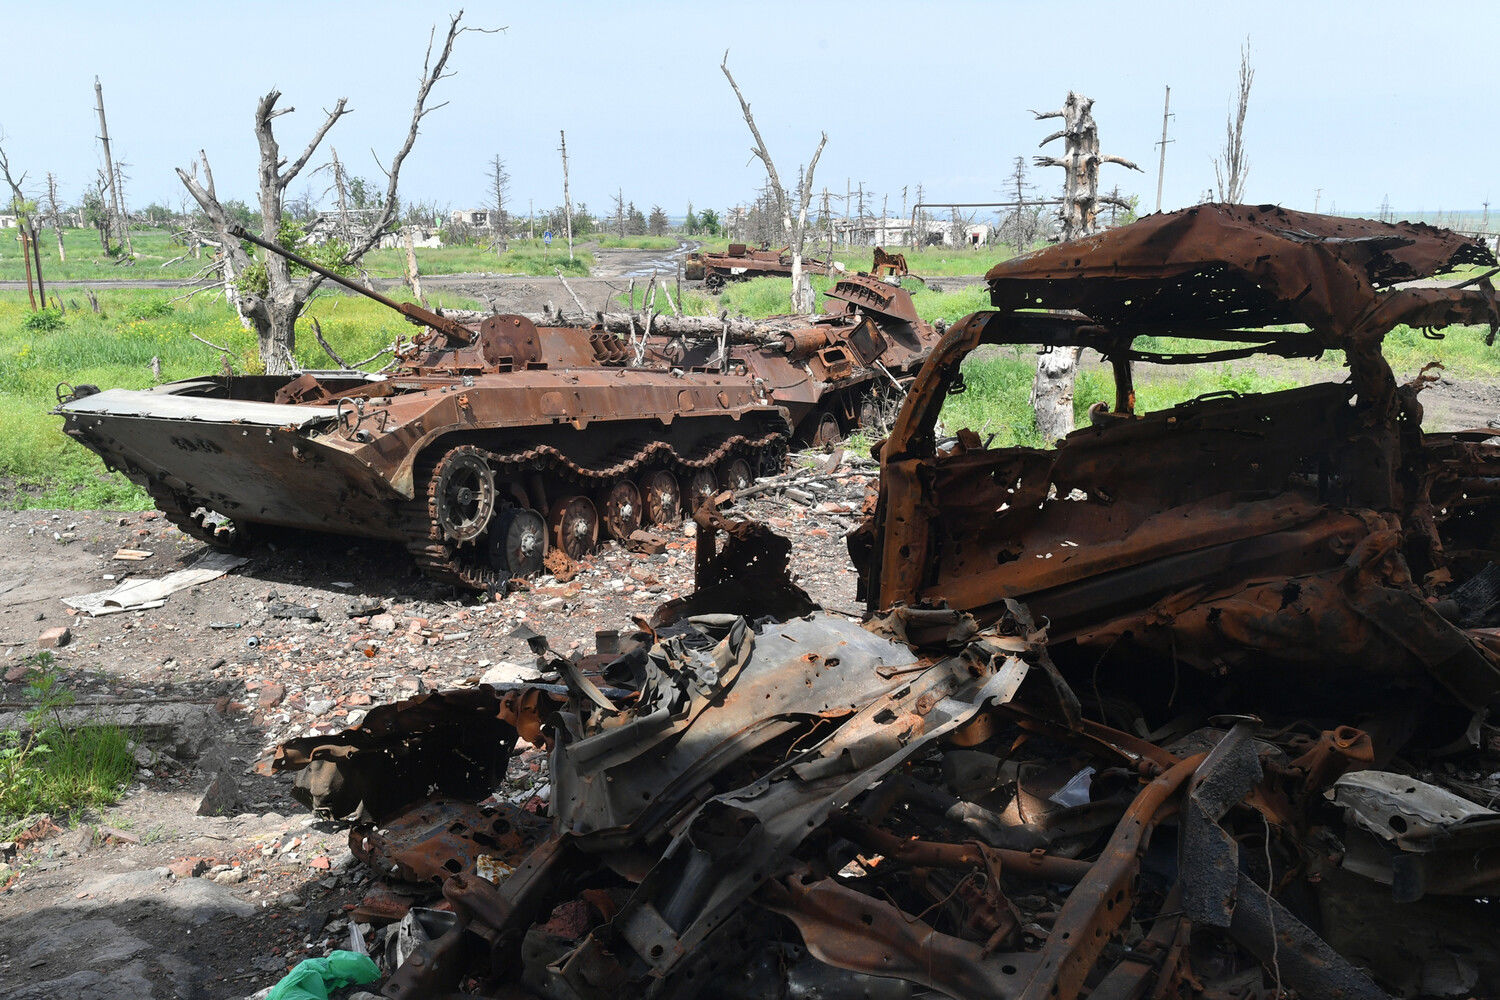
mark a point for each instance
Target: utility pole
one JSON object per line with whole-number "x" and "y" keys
{"x": 567, "y": 200}
{"x": 109, "y": 165}
{"x": 919, "y": 219}
{"x": 830, "y": 221}
{"x": 1161, "y": 167}
{"x": 1317, "y": 197}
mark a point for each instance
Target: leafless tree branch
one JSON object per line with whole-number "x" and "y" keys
{"x": 1231, "y": 168}
{"x": 760, "y": 144}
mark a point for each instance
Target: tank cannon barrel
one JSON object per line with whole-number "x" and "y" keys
{"x": 413, "y": 313}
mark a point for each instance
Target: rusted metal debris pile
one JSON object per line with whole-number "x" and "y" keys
{"x": 1194, "y": 705}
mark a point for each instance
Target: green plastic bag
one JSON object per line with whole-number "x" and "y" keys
{"x": 314, "y": 977}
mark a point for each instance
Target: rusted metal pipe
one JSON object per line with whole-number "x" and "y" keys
{"x": 1102, "y": 901}
{"x": 1035, "y": 864}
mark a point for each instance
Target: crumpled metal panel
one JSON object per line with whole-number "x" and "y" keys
{"x": 442, "y": 836}
{"x": 1235, "y": 265}
{"x": 1407, "y": 810}
{"x": 683, "y": 728}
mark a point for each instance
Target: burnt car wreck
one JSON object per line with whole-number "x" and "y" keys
{"x": 1192, "y": 705}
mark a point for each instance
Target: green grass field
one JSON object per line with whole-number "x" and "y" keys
{"x": 156, "y": 258}
{"x": 41, "y": 467}
{"x": 520, "y": 257}
{"x": 636, "y": 242}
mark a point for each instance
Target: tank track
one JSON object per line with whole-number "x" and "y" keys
{"x": 468, "y": 566}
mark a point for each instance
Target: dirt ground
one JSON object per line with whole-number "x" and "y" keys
{"x": 111, "y": 907}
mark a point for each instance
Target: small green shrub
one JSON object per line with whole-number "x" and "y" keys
{"x": 44, "y": 321}
{"x": 152, "y": 308}
{"x": 56, "y": 768}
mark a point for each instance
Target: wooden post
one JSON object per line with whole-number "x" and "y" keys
{"x": 26, "y": 256}
{"x": 36, "y": 253}
{"x": 109, "y": 165}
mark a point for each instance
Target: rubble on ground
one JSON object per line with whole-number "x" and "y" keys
{"x": 1195, "y": 705}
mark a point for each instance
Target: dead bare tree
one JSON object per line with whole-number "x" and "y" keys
{"x": 802, "y": 296}
{"x": 272, "y": 306}
{"x": 1231, "y": 167}
{"x": 341, "y": 193}
{"x": 499, "y": 187}
{"x": 25, "y": 211}
{"x": 1052, "y": 391}
{"x": 56, "y": 215}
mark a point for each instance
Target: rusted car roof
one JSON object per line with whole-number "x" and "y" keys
{"x": 1239, "y": 265}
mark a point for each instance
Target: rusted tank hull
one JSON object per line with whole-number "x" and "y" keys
{"x": 440, "y": 462}
{"x": 265, "y": 472}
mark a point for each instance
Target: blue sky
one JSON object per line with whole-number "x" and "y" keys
{"x": 1364, "y": 100}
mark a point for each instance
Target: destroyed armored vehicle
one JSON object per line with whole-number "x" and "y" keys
{"x": 847, "y": 369}
{"x": 1206, "y": 715}
{"x": 494, "y": 442}
{"x": 741, "y": 263}
{"x": 479, "y": 451}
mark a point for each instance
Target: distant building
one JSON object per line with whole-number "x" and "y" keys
{"x": 7, "y": 221}
{"x": 476, "y": 217}
{"x": 354, "y": 225}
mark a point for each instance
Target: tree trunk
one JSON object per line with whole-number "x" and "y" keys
{"x": 276, "y": 332}
{"x": 1052, "y": 393}
{"x": 1052, "y": 390}
{"x": 413, "y": 276}
{"x": 232, "y": 292}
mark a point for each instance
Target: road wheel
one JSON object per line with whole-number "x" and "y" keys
{"x": 736, "y": 474}
{"x": 465, "y": 494}
{"x": 661, "y": 498}
{"x": 714, "y": 283}
{"x": 575, "y": 525}
{"x": 826, "y": 432}
{"x": 622, "y": 509}
{"x": 701, "y": 488}
{"x": 518, "y": 542}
